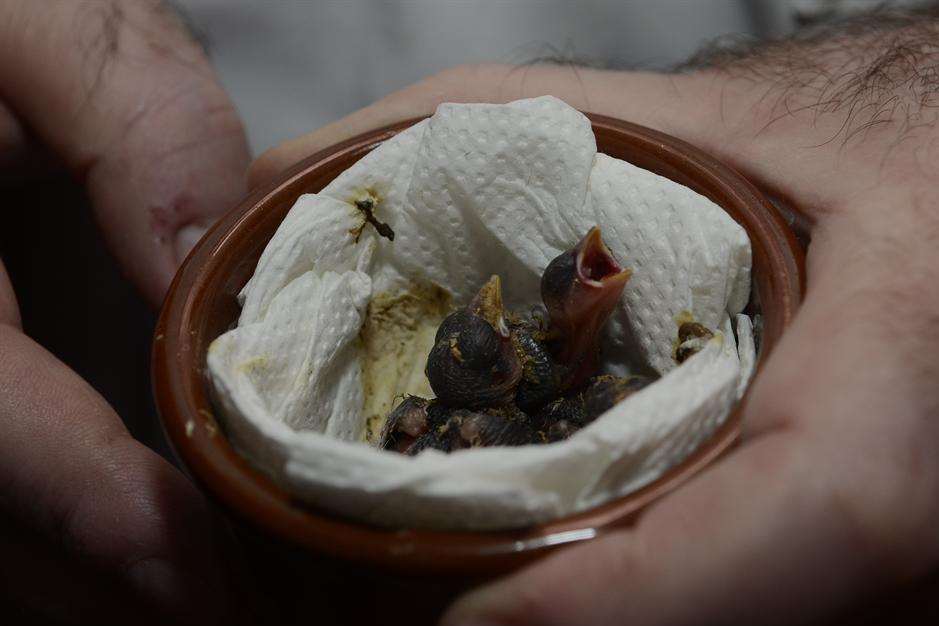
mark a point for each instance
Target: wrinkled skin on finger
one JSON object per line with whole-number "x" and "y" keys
{"x": 831, "y": 500}
{"x": 127, "y": 102}
{"x": 94, "y": 526}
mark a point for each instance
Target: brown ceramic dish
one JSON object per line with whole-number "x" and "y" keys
{"x": 201, "y": 305}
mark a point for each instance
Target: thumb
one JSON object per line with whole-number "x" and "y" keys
{"x": 128, "y": 100}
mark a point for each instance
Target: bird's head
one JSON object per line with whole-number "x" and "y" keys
{"x": 473, "y": 362}
{"x": 580, "y": 289}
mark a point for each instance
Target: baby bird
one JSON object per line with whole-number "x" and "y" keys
{"x": 579, "y": 288}
{"x": 417, "y": 424}
{"x": 405, "y": 425}
{"x": 563, "y": 417}
{"x": 542, "y": 375}
{"x": 505, "y": 426}
{"x": 473, "y": 363}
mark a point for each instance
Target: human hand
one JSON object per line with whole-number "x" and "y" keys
{"x": 832, "y": 496}
{"x": 94, "y": 526}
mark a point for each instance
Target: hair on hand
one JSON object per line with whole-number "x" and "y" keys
{"x": 101, "y": 31}
{"x": 877, "y": 70}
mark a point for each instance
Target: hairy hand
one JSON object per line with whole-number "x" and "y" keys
{"x": 832, "y": 497}
{"x": 93, "y": 525}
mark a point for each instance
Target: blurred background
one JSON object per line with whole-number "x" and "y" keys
{"x": 292, "y": 66}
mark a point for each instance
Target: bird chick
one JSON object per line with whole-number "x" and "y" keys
{"x": 563, "y": 417}
{"x": 580, "y": 289}
{"x": 473, "y": 363}
{"x": 418, "y": 424}
{"x": 542, "y": 375}
{"x": 505, "y": 426}
{"x": 604, "y": 392}
{"x": 405, "y": 425}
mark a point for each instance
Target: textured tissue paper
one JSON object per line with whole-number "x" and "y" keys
{"x": 337, "y": 320}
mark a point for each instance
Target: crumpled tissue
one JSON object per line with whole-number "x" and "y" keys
{"x": 476, "y": 190}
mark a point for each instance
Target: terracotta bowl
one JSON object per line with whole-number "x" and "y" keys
{"x": 201, "y": 305}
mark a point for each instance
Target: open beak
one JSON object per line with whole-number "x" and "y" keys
{"x": 596, "y": 266}
{"x": 487, "y": 303}
{"x": 599, "y": 282}
{"x": 593, "y": 291}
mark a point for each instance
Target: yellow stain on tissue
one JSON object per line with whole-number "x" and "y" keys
{"x": 252, "y": 365}
{"x": 358, "y": 194}
{"x": 396, "y": 337}
{"x": 683, "y": 318}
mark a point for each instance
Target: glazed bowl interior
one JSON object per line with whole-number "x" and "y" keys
{"x": 202, "y": 304}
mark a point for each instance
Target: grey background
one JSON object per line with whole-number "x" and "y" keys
{"x": 292, "y": 66}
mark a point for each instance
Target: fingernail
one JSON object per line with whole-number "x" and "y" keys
{"x": 186, "y": 239}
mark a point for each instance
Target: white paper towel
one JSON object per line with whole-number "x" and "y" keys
{"x": 476, "y": 190}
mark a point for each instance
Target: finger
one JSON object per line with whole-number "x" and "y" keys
{"x": 586, "y": 89}
{"x": 730, "y": 117}
{"x": 697, "y": 558}
{"x": 831, "y": 498}
{"x": 759, "y": 538}
{"x": 756, "y": 540}
{"x": 129, "y": 101}
{"x": 39, "y": 580}
{"x": 73, "y": 475}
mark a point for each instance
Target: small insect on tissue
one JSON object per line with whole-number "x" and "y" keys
{"x": 367, "y": 207}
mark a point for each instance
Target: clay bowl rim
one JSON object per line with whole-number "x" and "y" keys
{"x": 181, "y": 395}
